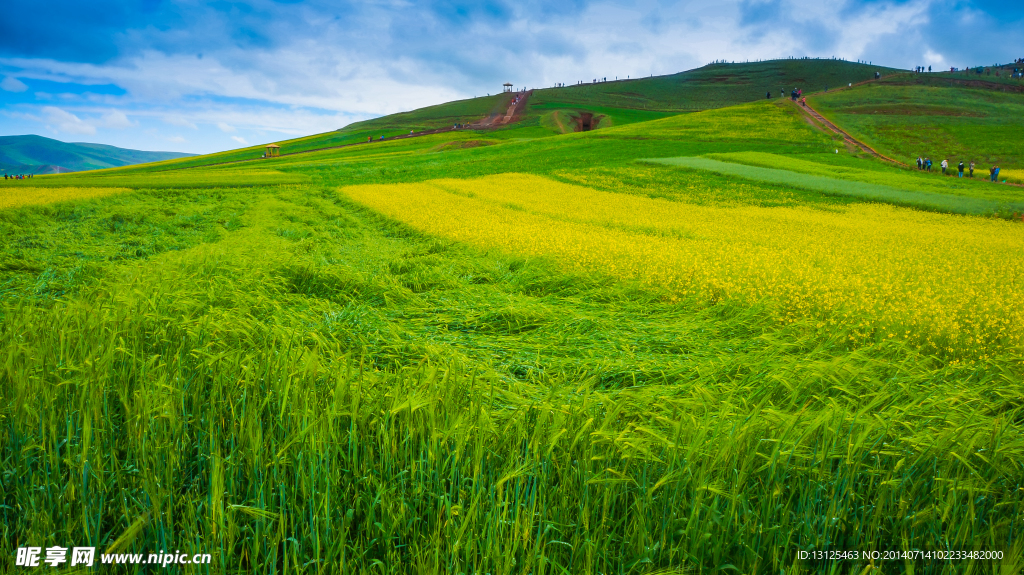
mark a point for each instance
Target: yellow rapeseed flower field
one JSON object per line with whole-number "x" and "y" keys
{"x": 949, "y": 284}
{"x": 15, "y": 196}
{"x": 1011, "y": 175}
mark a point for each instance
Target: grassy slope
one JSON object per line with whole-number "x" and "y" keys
{"x": 874, "y": 173}
{"x": 285, "y": 378}
{"x": 33, "y": 154}
{"x": 907, "y": 121}
{"x": 712, "y": 86}
{"x": 624, "y": 102}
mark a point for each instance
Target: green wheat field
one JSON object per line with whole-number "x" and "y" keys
{"x": 704, "y": 337}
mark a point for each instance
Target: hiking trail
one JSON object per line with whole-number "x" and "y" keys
{"x": 817, "y": 118}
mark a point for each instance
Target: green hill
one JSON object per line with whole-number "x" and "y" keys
{"x": 920, "y": 115}
{"x": 39, "y": 155}
{"x": 614, "y": 102}
{"x": 713, "y": 86}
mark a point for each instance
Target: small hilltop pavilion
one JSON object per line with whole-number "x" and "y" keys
{"x": 273, "y": 151}
{"x": 506, "y": 87}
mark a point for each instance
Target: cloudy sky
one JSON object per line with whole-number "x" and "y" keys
{"x": 191, "y": 76}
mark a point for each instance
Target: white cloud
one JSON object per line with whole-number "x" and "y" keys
{"x": 117, "y": 120}
{"x": 177, "y": 139}
{"x": 12, "y": 84}
{"x": 179, "y": 121}
{"x": 933, "y": 58}
{"x": 425, "y": 66}
{"x": 64, "y": 122}
{"x": 240, "y": 140}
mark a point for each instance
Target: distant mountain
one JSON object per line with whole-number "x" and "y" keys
{"x": 39, "y": 155}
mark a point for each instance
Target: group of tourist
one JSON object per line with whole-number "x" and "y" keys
{"x": 796, "y": 95}
{"x": 18, "y": 176}
{"x": 926, "y": 165}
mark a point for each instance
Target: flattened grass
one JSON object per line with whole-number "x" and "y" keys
{"x": 301, "y": 405}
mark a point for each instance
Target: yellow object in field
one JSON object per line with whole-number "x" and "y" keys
{"x": 14, "y": 196}
{"x": 946, "y": 283}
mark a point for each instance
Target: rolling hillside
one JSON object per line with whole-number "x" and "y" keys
{"x": 908, "y": 116}
{"x": 39, "y": 155}
{"x": 616, "y": 102}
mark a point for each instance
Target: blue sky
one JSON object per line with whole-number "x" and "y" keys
{"x": 207, "y": 76}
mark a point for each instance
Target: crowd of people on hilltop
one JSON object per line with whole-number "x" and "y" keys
{"x": 977, "y": 70}
{"x": 797, "y": 95}
{"x": 925, "y": 164}
{"x": 18, "y": 176}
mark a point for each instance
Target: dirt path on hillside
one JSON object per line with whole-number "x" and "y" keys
{"x": 850, "y": 141}
{"x": 513, "y": 114}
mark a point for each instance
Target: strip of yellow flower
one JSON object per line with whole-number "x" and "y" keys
{"x": 947, "y": 283}
{"x": 1015, "y": 176}
{"x": 14, "y": 195}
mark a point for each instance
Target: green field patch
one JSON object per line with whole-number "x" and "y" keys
{"x": 860, "y": 170}
{"x": 243, "y": 176}
{"x": 868, "y": 191}
{"x": 912, "y": 110}
{"x": 461, "y": 145}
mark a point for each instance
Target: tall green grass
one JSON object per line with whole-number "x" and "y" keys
{"x": 322, "y": 391}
